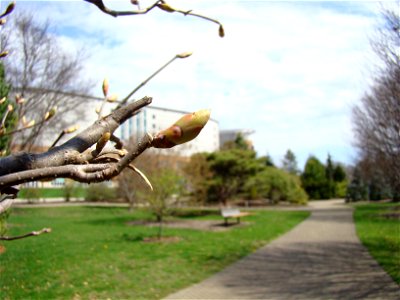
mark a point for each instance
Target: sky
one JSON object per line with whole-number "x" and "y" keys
{"x": 289, "y": 70}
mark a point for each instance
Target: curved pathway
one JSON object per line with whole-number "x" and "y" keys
{"x": 321, "y": 258}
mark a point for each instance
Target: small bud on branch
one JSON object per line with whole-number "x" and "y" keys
{"x": 184, "y": 54}
{"x": 185, "y": 129}
{"x": 71, "y": 129}
{"x": 8, "y": 10}
{"x": 50, "y": 114}
{"x": 105, "y": 87}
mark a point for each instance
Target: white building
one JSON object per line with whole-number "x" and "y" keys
{"x": 153, "y": 119}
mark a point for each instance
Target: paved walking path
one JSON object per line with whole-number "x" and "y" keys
{"x": 321, "y": 258}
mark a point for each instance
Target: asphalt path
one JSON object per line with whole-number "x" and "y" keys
{"x": 321, "y": 258}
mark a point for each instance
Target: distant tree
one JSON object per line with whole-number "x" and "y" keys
{"x": 368, "y": 183}
{"x": 330, "y": 191}
{"x": 230, "y": 169}
{"x": 290, "y": 163}
{"x": 5, "y": 104}
{"x": 313, "y": 179}
{"x": 339, "y": 173}
{"x": 276, "y": 185}
{"x": 238, "y": 143}
{"x": 198, "y": 173}
{"x": 40, "y": 71}
{"x": 376, "y": 119}
{"x": 341, "y": 182}
{"x": 267, "y": 161}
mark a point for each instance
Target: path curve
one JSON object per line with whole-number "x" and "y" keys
{"x": 321, "y": 258}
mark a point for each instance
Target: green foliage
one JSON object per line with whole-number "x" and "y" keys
{"x": 230, "y": 169}
{"x": 324, "y": 181}
{"x": 93, "y": 253}
{"x": 276, "y": 185}
{"x": 11, "y": 118}
{"x": 100, "y": 192}
{"x": 313, "y": 179}
{"x": 378, "y": 226}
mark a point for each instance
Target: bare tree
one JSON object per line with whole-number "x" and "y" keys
{"x": 84, "y": 157}
{"x": 376, "y": 119}
{"x": 40, "y": 70}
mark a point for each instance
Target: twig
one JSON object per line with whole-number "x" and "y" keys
{"x": 33, "y": 233}
{"x": 114, "y": 13}
{"x": 126, "y": 99}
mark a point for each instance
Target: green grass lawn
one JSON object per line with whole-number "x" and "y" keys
{"x": 379, "y": 230}
{"x": 93, "y": 254}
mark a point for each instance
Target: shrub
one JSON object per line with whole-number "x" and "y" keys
{"x": 276, "y": 185}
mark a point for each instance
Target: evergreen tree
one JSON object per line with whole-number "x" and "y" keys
{"x": 313, "y": 178}
{"x": 330, "y": 190}
{"x": 290, "y": 163}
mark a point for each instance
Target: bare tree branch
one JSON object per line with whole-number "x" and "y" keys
{"x": 68, "y": 152}
{"x": 33, "y": 233}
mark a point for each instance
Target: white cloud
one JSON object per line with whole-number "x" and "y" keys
{"x": 288, "y": 70}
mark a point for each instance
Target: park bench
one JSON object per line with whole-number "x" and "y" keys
{"x": 232, "y": 213}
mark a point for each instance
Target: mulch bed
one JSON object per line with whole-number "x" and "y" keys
{"x": 206, "y": 225}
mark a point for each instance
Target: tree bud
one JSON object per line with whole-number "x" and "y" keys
{"x": 166, "y": 7}
{"x": 184, "y": 54}
{"x": 3, "y": 54}
{"x": 30, "y": 124}
{"x": 2, "y": 100}
{"x": 185, "y": 129}
{"x": 221, "y": 31}
{"x": 9, "y": 9}
{"x": 105, "y": 87}
{"x": 50, "y": 114}
{"x": 10, "y": 108}
{"x": 24, "y": 122}
{"x": 135, "y": 2}
{"x": 71, "y": 129}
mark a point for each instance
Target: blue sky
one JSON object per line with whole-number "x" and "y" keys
{"x": 291, "y": 71}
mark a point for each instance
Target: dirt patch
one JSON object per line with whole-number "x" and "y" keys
{"x": 206, "y": 225}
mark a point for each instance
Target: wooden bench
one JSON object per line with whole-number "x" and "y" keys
{"x": 232, "y": 213}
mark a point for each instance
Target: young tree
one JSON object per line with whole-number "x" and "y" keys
{"x": 290, "y": 163}
{"x": 376, "y": 119}
{"x": 167, "y": 184}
